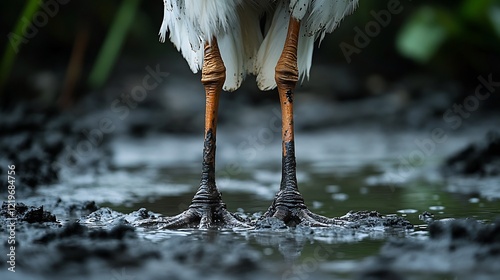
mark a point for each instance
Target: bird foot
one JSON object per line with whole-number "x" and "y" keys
{"x": 201, "y": 216}
{"x": 289, "y": 207}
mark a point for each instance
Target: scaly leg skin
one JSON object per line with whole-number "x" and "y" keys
{"x": 288, "y": 204}
{"x": 207, "y": 209}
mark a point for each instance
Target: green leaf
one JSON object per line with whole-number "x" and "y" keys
{"x": 112, "y": 45}
{"x": 423, "y": 34}
{"x": 15, "y": 38}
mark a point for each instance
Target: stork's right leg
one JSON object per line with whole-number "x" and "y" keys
{"x": 207, "y": 209}
{"x": 288, "y": 204}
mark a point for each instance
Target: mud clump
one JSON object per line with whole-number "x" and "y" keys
{"x": 28, "y": 144}
{"x": 463, "y": 247}
{"x": 475, "y": 170}
{"x": 30, "y": 214}
{"x": 370, "y": 219}
{"x": 77, "y": 249}
{"x": 43, "y": 142}
{"x": 466, "y": 231}
{"x": 481, "y": 158}
{"x": 78, "y": 245}
{"x": 74, "y": 229}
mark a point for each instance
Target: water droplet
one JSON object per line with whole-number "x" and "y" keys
{"x": 474, "y": 200}
{"x": 332, "y": 189}
{"x": 340, "y": 196}
{"x": 363, "y": 190}
{"x": 317, "y": 204}
{"x": 408, "y": 211}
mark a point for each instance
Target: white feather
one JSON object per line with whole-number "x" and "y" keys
{"x": 317, "y": 18}
{"x": 239, "y": 45}
{"x": 298, "y": 8}
{"x": 231, "y": 49}
{"x": 213, "y": 17}
{"x": 270, "y": 50}
{"x": 183, "y": 33}
{"x": 236, "y": 25}
{"x": 325, "y": 15}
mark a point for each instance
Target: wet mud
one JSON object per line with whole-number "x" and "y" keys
{"x": 104, "y": 244}
{"x": 475, "y": 169}
{"x": 480, "y": 159}
{"x": 462, "y": 248}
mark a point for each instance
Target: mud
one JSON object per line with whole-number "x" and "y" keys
{"x": 45, "y": 144}
{"x": 475, "y": 169}
{"x": 464, "y": 249}
{"x": 104, "y": 244}
{"x": 481, "y": 158}
{"x": 30, "y": 214}
{"x": 26, "y": 143}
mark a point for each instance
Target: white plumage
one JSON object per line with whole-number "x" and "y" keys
{"x": 244, "y": 47}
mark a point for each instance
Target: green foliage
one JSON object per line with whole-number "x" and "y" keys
{"x": 113, "y": 43}
{"x": 15, "y": 38}
{"x": 470, "y": 22}
{"x": 423, "y": 34}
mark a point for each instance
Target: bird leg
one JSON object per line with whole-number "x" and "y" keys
{"x": 207, "y": 209}
{"x": 288, "y": 204}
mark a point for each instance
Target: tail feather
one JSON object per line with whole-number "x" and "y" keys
{"x": 231, "y": 49}
{"x": 239, "y": 47}
{"x": 271, "y": 48}
{"x": 182, "y": 33}
{"x": 326, "y": 15}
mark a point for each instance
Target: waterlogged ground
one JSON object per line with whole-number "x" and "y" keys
{"x": 377, "y": 153}
{"x": 340, "y": 170}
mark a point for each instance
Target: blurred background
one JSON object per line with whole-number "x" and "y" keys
{"x": 58, "y": 52}
{"x": 72, "y": 73}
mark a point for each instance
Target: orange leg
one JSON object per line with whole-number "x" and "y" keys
{"x": 207, "y": 209}
{"x": 288, "y": 204}
{"x": 213, "y": 77}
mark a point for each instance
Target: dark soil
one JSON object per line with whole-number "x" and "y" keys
{"x": 464, "y": 248}
{"x": 45, "y": 144}
{"x": 482, "y": 159}
{"x": 475, "y": 170}
{"x": 104, "y": 243}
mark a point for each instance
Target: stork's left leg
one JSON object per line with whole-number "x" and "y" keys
{"x": 207, "y": 210}
{"x": 288, "y": 204}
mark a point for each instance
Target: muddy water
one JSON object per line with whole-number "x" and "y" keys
{"x": 339, "y": 171}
